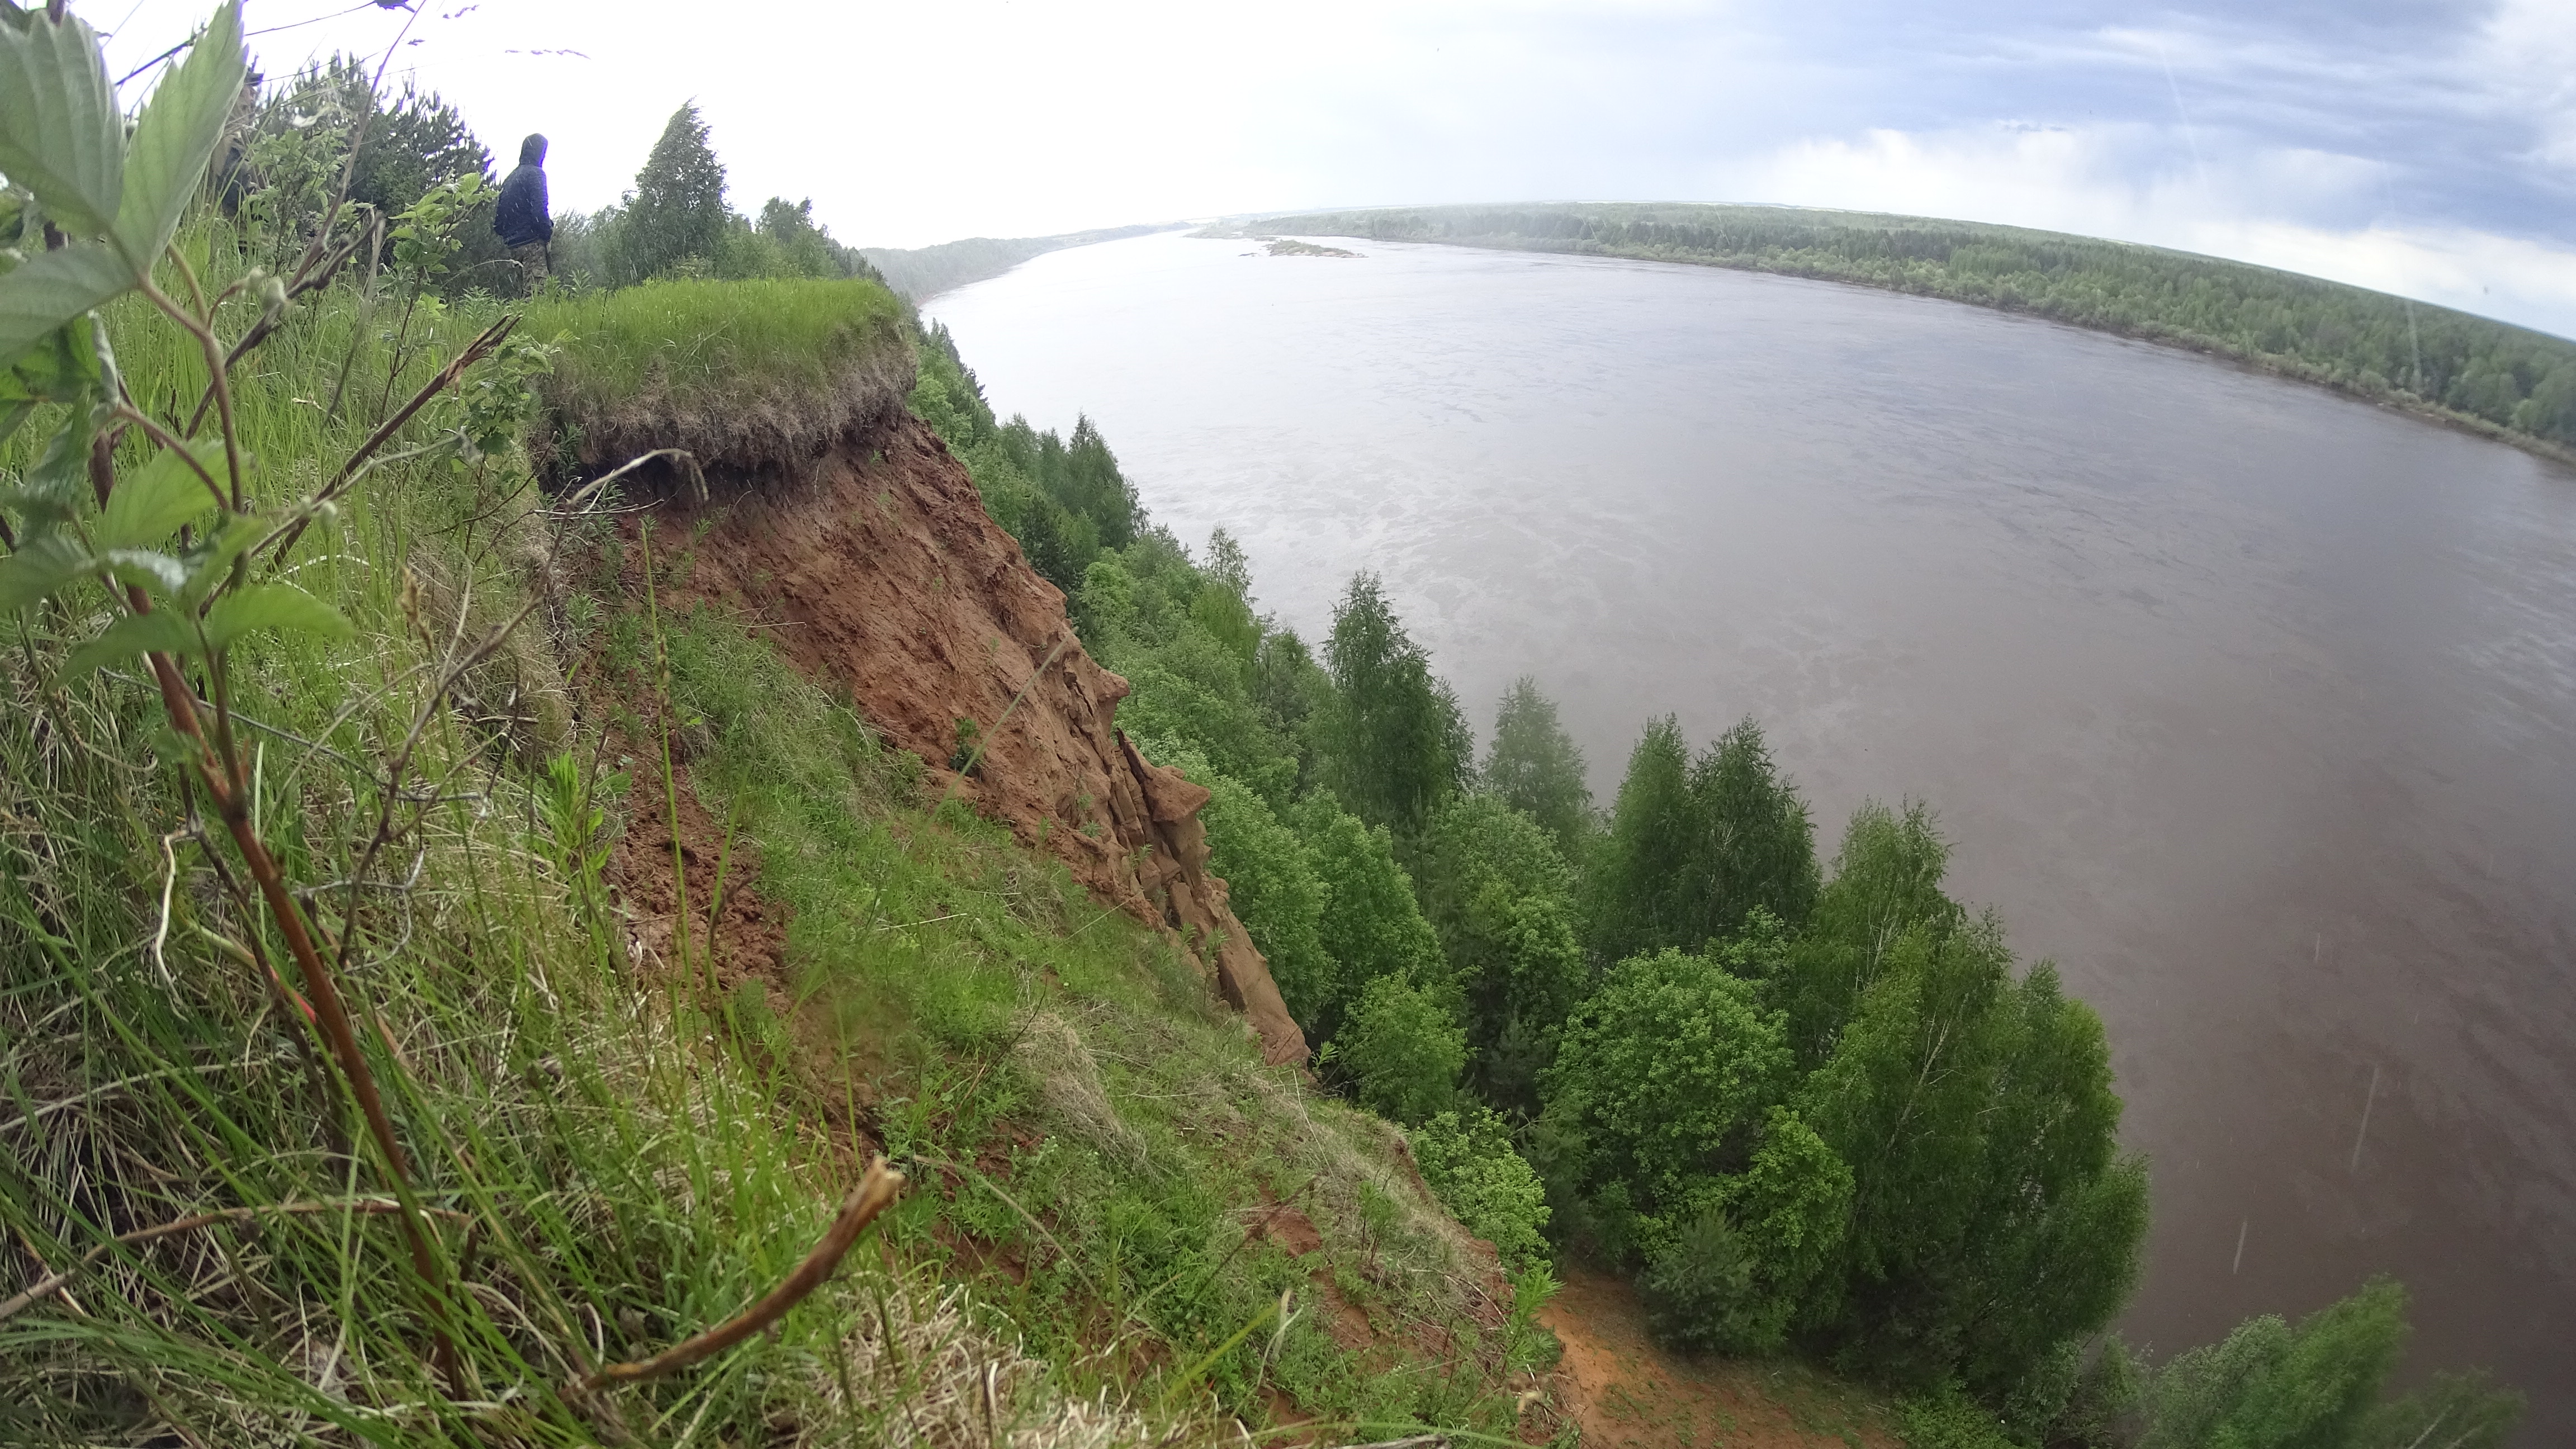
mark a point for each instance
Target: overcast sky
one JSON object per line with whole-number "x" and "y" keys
{"x": 2427, "y": 147}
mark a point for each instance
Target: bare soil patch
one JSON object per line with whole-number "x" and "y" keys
{"x": 1627, "y": 1392}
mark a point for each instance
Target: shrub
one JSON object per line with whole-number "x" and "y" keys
{"x": 1467, "y": 1159}
{"x": 1402, "y": 1050}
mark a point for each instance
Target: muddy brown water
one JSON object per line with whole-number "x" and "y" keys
{"x": 2252, "y": 706}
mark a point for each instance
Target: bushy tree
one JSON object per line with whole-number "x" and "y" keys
{"x": 1535, "y": 767}
{"x": 1468, "y": 1161}
{"x": 1393, "y": 744}
{"x": 2454, "y": 1411}
{"x": 1730, "y": 1274}
{"x": 1271, "y": 883}
{"x": 2268, "y": 1385}
{"x": 1501, "y": 897}
{"x": 1753, "y": 845}
{"x": 1664, "y": 1076}
{"x": 1401, "y": 1050}
{"x": 1637, "y": 888}
{"x": 1370, "y": 926}
{"x": 1886, "y": 881}
{"x": 677, "y": 210}
{"x": 1990, "y": 1219}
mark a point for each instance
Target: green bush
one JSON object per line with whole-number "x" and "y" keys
{"x": 1402, "y": 1050}
{"x": 1467, "y": 1158}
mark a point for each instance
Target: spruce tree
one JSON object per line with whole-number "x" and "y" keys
{"x": 677, "y": 210}
{"x": 1536, "y": 769}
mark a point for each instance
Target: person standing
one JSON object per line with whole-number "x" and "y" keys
{"x": 521, "y": 217}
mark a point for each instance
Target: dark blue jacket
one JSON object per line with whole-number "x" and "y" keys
{"x": 521, "y": 216}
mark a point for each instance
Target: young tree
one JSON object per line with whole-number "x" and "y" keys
{"x": 1639, "y": 884}
{"x": 677, "y": 210}
{"x": 1468, "y": 1162}
{"x": 1370, "y": 925}
{"x": 1887, "y": 880}
{"x": 1755, "y": 846}
{"x": 1394, "y": 744}
{"x": 1271, "y": 883}
{"x": 1536, "y": 769}
{"x": 1502, "y": 900}
{"x": 2268, "y": 1385}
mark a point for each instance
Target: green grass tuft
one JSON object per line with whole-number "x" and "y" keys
{"x": 746, "y": 375}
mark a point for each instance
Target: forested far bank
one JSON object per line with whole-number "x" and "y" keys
{"x": 1809, "y": 1105}
{"x": 919, "y": 273}
{"x": 2507, "y": 381}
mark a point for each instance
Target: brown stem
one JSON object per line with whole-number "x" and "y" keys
{"x": 474, "y": 352}
{"x": 222, "y": 790}
{"x": 872, "y": 1196}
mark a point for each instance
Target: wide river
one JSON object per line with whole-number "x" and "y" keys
{"x": 2252, "y": 706}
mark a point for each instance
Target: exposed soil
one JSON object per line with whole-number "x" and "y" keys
{"x": 881, "y": 575}
{"x": 1627, "y": 1392}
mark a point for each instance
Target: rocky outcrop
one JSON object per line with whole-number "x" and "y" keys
{"x": 885, "y": 578}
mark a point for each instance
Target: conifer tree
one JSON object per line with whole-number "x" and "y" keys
{"x": 677, "y": 209}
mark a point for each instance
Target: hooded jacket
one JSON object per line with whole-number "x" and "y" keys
{"x": 521, "y": 216}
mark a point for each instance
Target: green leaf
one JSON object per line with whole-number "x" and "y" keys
{"x": 177, "y": 136}
{"x": 51, "y": 288}
{"x": 281, "y": 607}
{"x": 62, "y": 135}
{"x": 163, "y": 494}
{"x": 40, "y": 569}
{"x": 163, "y": 629}
{"x": 207, "y": 562}
{"x": 143, "y": 567}
{"x": 48, "y": 495}
{"x": 13, "y": 416}
{"x": 63, "y": 367}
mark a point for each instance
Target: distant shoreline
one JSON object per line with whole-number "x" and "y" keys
{"x": 1916, "y": 278}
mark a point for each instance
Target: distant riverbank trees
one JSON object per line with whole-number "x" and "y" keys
{"x": 1815, "y": 1109}
{"x": 2507, "y": 379}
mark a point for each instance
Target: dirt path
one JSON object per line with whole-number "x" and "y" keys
{"x": 1627, "y": 1393}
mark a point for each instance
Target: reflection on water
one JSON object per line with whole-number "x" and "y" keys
{"x": 2251, "y": 705}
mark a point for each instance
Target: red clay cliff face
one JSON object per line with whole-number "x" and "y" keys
{"x": 891, "y": 582}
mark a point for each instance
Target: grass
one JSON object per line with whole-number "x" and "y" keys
{"x": 746, "y": 375}
{"x": 613, "y": 1158}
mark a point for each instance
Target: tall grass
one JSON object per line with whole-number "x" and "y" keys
{"x": 603, "y": 1175}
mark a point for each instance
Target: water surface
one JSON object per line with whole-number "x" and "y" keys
{"x": 2252, "y": 706}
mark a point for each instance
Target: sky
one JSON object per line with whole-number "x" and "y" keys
{"x": 2424, "y": 147}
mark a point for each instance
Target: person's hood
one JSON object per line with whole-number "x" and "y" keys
{"x": 532, "y": 151}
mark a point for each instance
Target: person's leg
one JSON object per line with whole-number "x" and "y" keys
{"x": 533, "y": 263}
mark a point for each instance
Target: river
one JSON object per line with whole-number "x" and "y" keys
{"x": 2251, "y": 705}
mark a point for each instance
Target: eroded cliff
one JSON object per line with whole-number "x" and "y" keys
{"x": 881, "y": 575}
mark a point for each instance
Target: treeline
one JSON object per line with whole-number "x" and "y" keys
{"x": 1811, "y": 1105}
{"x": 921, "y": 272}
{"x": 676, "y": 223}
{"x": 2388, "y": 349}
